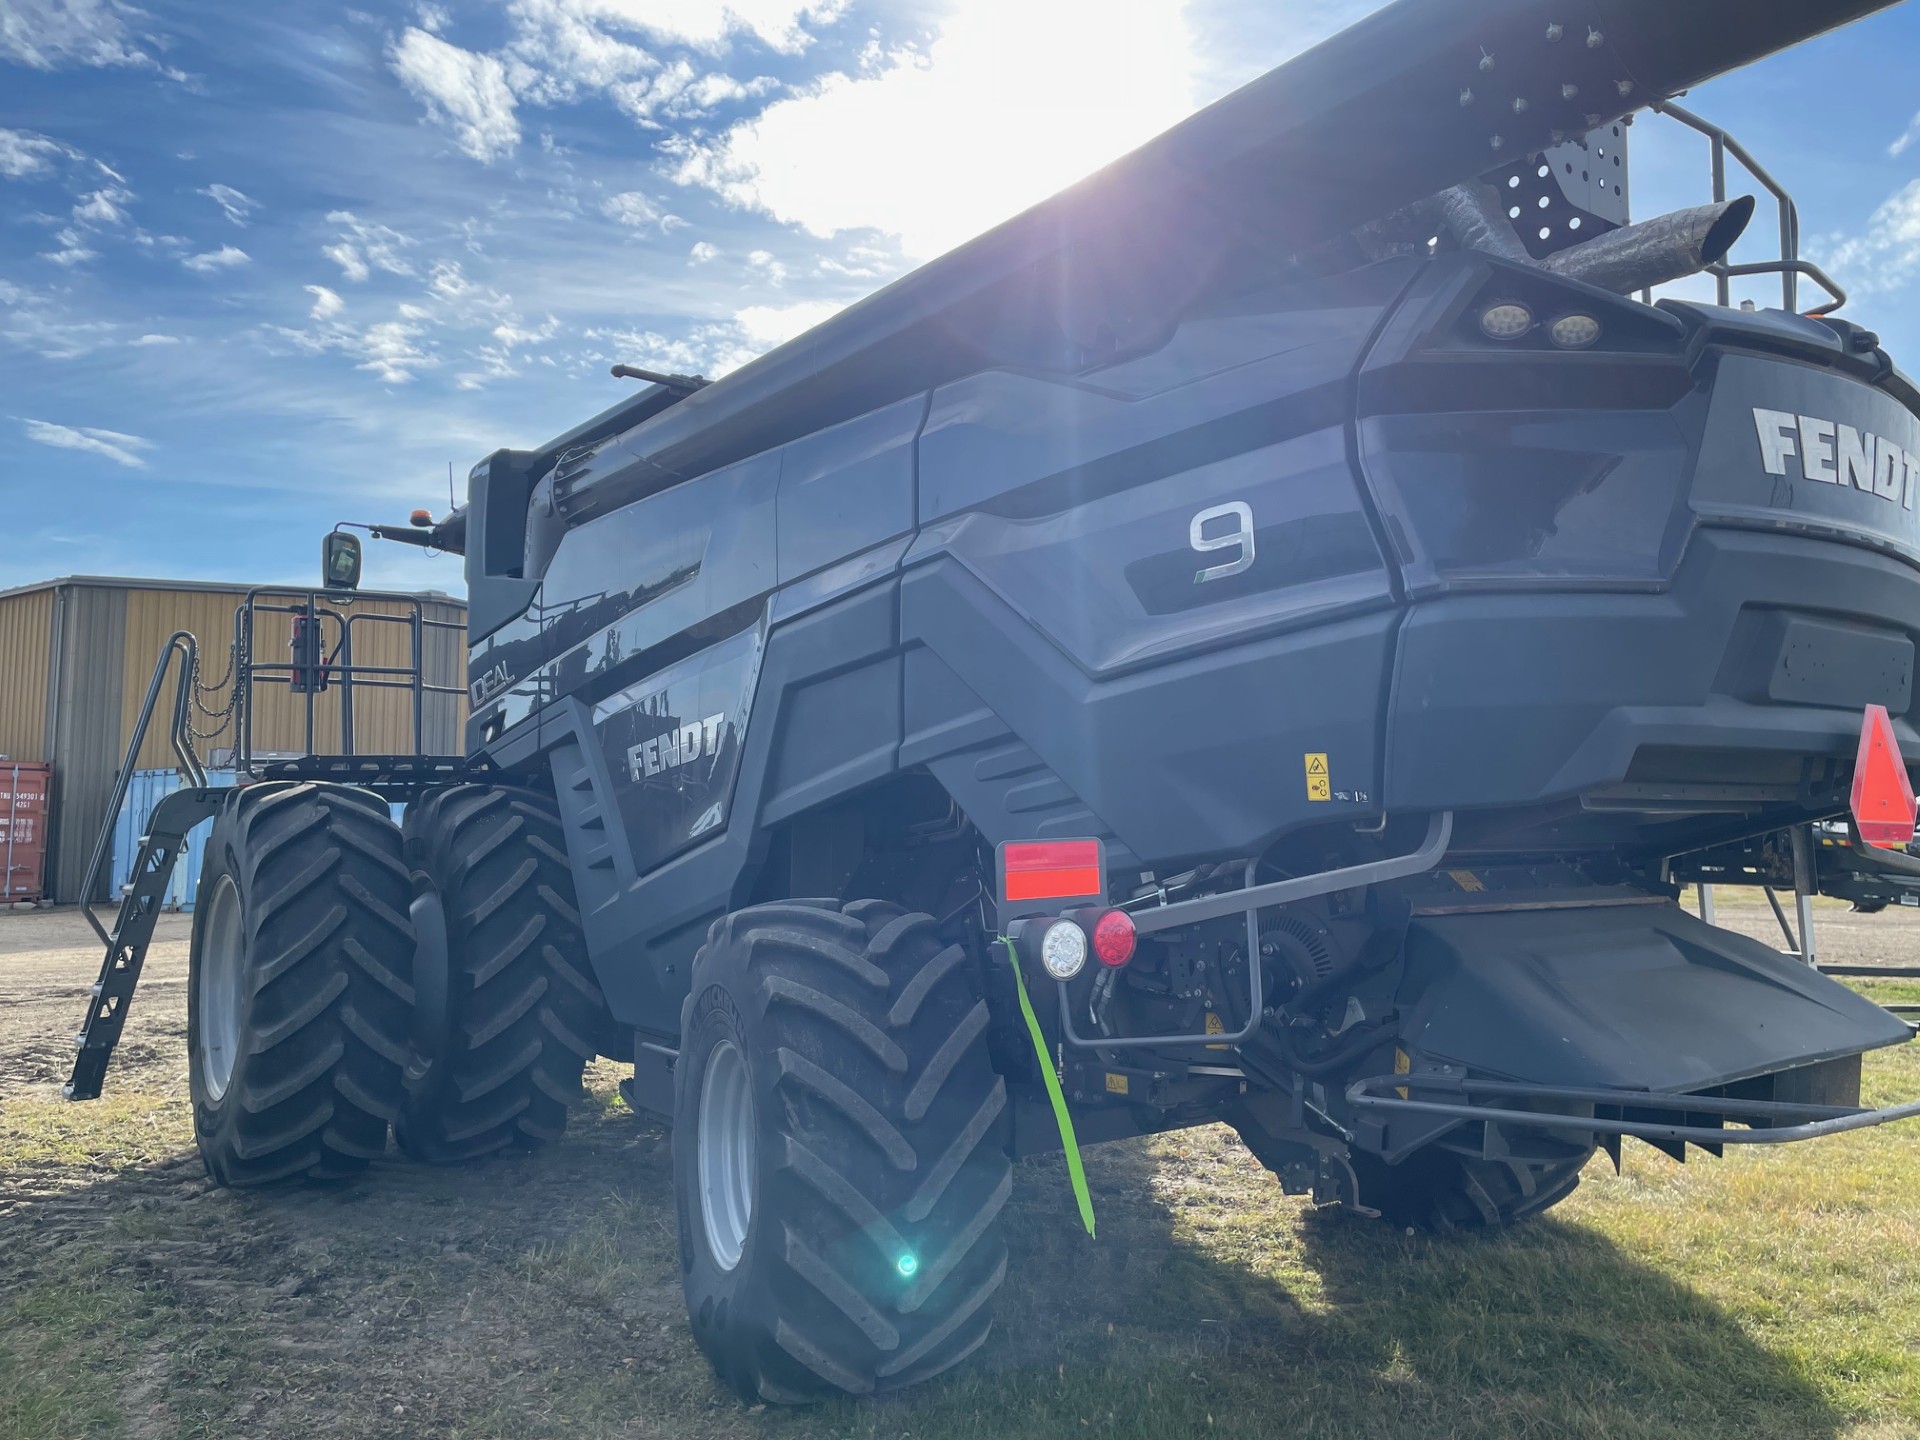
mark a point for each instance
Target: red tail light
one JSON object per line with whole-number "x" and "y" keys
{"x": 1114, "y": 938}
{"x": 1883, "y": 805}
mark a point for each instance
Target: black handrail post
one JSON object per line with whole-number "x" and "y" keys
{"x": 182, "y": 642}
{"x": 346, "y": 684}
{"x": 419, "y": 678}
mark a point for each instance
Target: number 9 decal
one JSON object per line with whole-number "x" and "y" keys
{"x": 1240, "y": 537}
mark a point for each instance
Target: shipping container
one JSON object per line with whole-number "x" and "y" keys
{"x": 23, "y": 829}
{"x": 76, "y": 655}
{"x": 145, "y": 790}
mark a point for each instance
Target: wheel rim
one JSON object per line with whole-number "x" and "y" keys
{"x": 726, "y": 1153}
{"x": 217, "y": 987}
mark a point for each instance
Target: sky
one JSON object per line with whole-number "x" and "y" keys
{"x": 268, "y": 266}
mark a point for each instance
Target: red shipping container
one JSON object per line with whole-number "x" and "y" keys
{"x": 23, "y": 829}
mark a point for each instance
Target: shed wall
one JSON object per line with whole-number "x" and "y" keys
{"x": 90, "y": 634}
{"x": 26, "y": 654}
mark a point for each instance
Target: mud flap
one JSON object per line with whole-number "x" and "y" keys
{"x": 1637, "y": 996}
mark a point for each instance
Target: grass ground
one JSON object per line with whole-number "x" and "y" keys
{"x": 1771, "y": 1294}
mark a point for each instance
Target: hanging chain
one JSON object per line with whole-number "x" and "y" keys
{"x": 223, "y": 717}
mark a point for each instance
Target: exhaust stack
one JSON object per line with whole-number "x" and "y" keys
{"x": 1652, "y": 252}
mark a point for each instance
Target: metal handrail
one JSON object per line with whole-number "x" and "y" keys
{"x": 1789, "y": 266}
{"x": 180, "y": 643}
{"x": 319, "y": 607}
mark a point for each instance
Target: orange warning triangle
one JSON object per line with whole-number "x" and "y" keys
{"x": 1883, "y": 804}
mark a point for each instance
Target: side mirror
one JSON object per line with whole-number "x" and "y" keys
{"x": 340, "y": 561}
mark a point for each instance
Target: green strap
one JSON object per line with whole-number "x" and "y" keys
{"x": 1075, "y": 1170}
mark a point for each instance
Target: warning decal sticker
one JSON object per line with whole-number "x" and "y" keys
{"x": 1319, "y": 783}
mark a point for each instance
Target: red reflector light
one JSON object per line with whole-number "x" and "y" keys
{"x": 1114, "y": 938}
{"x": 420, "y": 519}
{"x": 1051, "y": 870}
{"x": 1883, "y": 804}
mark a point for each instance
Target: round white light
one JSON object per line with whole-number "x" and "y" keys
{"x": 1505, "y": 321}
{"x": 1574, "y": 332}
{"x": 1063, "y": 949}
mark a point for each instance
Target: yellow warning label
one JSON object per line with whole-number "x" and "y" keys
{"x": 1466, "y": 880}
{"x": 1319, "y": 783}
{"x": 1402, "y": 1065}
{"x": 1116, "y": 1084}
{"x": 1215, "y": 1026}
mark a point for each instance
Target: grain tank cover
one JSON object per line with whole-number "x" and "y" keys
{"x": 1420, "y": 95}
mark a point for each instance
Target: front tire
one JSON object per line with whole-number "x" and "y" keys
{"x": 299, "y": 984}
{"x": 839, "y": 1152}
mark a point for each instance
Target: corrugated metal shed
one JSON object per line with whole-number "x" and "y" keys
{"x": 76, "y": 655}
{"x": 26, "y": 649}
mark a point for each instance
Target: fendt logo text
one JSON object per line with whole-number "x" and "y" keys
{"x": 696, "y": 740}
{"x": 1836, "y": 454}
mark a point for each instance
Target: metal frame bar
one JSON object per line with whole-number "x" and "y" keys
{"x": 1812, "y": 1121}
{"x": 1250, "y": 900}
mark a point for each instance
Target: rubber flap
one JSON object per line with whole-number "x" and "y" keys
{"x": 1636, "y": 996}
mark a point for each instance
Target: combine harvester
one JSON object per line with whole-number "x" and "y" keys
{"x": 1262, "y": 636}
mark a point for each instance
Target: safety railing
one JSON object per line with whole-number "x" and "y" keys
{"x": 322, "y": 631}
{"x": 1789, "y": 267}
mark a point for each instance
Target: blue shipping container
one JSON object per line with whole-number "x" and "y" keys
{"x": 144, "y": 791}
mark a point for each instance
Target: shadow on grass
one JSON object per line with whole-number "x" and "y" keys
{"x": 1211, "y": 1304}
{"x": 539, "y": 1296}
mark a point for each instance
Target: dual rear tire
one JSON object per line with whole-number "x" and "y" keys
{"x": 316, "y": 1020}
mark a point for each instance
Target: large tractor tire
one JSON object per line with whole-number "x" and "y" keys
{"x": 839, "y": 1152}
{"x": 300, "y": 984}
{"x": 508, "y": 1006}
{"x": 1437, "y": 1190}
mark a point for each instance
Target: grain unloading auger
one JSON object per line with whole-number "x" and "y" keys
{"x": 1258, "y": 637}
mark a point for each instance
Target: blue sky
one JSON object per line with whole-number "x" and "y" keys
{"x": 265, "y": 266}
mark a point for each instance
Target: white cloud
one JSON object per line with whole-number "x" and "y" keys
{"x": 112, "y": 444}
{"x": 103, "y": 207}
{"x": 25, "y": 155}
{"x": 364, "y": 247}
{"x": 714, "y": 348}
{"x": 326, "y": 304}
{"x": 772, "y": 269}
{"x": 347, "y": 257}
{"x": 225, "y": 258}
{"x": 1013, "y": 100}
{"x": 46, "y": 34}
{"x": 1905, "y": 138}
{"x": 634, "y": 209}
{"x": 703, "y": 252}
{"x": 465, "y": 92}
{"x": 1887, "y": 254}
{"x": 765, "y": 326}
{"x": 73, "y": 249}
{"x": 236, "y": 206}
{"x": 146, "y": 340}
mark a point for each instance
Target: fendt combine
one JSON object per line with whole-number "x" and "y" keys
{"x": 1261, "y": 637}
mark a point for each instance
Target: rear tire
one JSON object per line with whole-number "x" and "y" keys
{"x": 839, "y": 1152}
{"x": 1437, "y": 1190}
{"x": 499, "y": 1060}
{"x": 299, "y": 984}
